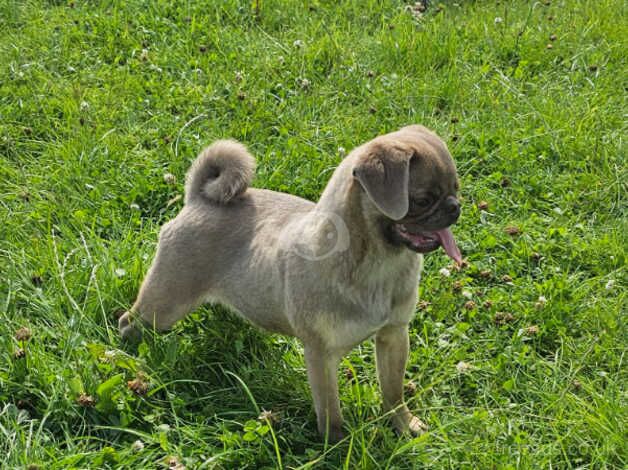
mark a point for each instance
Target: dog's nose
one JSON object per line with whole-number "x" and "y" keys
{"x": 453, "y": 206}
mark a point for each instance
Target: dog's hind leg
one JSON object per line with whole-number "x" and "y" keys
{"x": 158, "y": 306}
{"x": 174, "y": 286}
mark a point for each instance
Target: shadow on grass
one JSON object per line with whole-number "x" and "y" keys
{"x": 216, "y": 368}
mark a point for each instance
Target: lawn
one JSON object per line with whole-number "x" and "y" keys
{"x": 516, "y": 360}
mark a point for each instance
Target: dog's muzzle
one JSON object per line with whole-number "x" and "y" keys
{"x": 424, "y": 242}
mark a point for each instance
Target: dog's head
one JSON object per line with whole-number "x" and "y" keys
{"x": 410, "y": 179}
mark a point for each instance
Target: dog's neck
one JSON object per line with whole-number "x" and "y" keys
{"x": 344, "y": 197}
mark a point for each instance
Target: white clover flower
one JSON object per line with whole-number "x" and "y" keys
{"x": 137, "y": 446}
{"x": 463, "y": 367}
{"x": 498, "y": 20}
{"x": 445, "y": 272}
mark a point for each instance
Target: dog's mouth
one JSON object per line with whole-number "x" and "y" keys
{"x": 424, "y": 242}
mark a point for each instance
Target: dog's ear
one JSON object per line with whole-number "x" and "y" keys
{"x": 383, "y": 173}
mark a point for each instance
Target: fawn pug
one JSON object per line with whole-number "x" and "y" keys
{"x": 331, "y": 273}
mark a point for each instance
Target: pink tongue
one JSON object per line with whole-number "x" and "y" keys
{"x": 448, "y": 243}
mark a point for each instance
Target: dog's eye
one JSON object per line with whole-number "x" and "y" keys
{"x": 422, "y": 202}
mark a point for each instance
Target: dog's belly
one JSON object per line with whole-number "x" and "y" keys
{"x": 253, "y": 290}
{"x": 260, "y": 314}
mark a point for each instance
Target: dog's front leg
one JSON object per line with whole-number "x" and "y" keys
{"x": 391, "y": 350}
{"x": 322, "y": 372}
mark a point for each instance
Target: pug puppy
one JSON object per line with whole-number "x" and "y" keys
{"x": 332, "y": 273}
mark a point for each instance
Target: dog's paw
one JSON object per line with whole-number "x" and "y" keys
{"x": 129, "y": 331}
{"x": 416, "y": 427}
{"x": 335, "y": 434}
{"x": 408, "y": 423}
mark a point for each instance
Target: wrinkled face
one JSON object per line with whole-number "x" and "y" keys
{"x": 432, "y": 203}
{"x": 411, "y": 178}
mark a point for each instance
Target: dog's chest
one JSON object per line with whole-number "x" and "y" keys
{"x": 384, "y": 288}
{"x": 385, "y": 295}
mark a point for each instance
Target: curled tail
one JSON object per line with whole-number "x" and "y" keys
{"x": 221, "y": 172}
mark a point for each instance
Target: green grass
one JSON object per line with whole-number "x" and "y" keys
{"x": 99, "y": 99}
